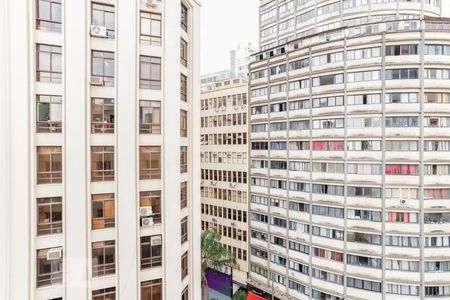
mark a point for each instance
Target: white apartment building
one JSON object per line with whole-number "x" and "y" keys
{"x": 240, "y": 59}
{"x": 99, "y": 146}
{"x": 350, "y": 151}
{"x": 224, "y": 150}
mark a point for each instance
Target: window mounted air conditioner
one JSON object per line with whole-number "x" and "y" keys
{"x": 156, "y": 240}
{"x": 151, "y": 3}
{"x": 96, "y": 80}
{"x": 54, "y": 254}
{"x": 99, "y": 31}
{"x": 145, "y": 211}
{"x": 147, "y": 222}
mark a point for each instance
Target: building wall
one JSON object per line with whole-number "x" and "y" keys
{"x": 304, "y": 192}
{"x": 212, "y": 160}
{"x": 20, "y": 140}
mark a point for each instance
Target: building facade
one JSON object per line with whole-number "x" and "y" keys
{"x": 99, "y": 150}
{"x": 349, "y": 148}
{"x": 240, "y": 59}
{"x": 224, "y": 168}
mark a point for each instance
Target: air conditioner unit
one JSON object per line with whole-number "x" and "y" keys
{"x": 151, "y": 3}
{"x": 145, "y": 211}
{"x": 147, "y": 222}
{"x": 96, "y": 80}
{"x": 54, "y": 254}
{"x": 99, "y": 31}
{"x": 156, "y": 240}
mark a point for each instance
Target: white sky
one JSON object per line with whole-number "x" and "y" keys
{"x": 225, "y": 24}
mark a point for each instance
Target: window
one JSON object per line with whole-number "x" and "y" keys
{"x": 103, "y": 258}
{"x": 401, "y": 50}
{"x": 364, "y": 261}
{"x": 437, "y": 74}
{"x": 48, "y": 15}
{"x": 183, "y": 123}
{"x": 184, "y": 52}
{"x": 402, "y": 265}
{"x": 403, "y": 217}
{"x": 328, "y": 123}
{"x": 49, "y": 165}
{"x": 328, "y": 145}
{"x": 184, "y": 265}
{"x": 102, "y": 115}
{"x": 297, "y": 105}
{"x": 150, "y": 72}
{"x": 365, "y": 238}
{"x": 363, "y": 76}
{"x": 437, "y": 98}
{"x": 48, "y": 113}
{"x": 369, "y": 215}
{"x": 328, "y": 79}
{"x": 403, "y": 169}
{"x": 185, "y": 293}
{"x": 48, "y": 271}
{"x": 183, "y": 87}
{"x": 402, "y": 241}
{"x": 184, "y": 17}
{"x": 151, "y": 289}
{"x": 327, "y": 58}
{"x": 364, "y": 284}
{"x": 149, "y": 117}
{"x": 151, "y": 199}
{"x": 103, "y": 215}
{"x": 299, "y": 125}
{"x": 363, "y": 53}
{"x": 402, "y": 74}
{"x": 104, "y": 294}
{"x": 103, "y": 15}
{"x": 151, "y": 251}
{"x": 103, "y": 66}
{"x": 363, "y": 99}
{"x": 150, "y": 28}
{"x": 102, "y": 163}
{"x": 402, "y": 98}
{"x": 184, "y": 229}
{"x": 437, "y": 145}
{"x": 328, "y": 189}
{"x": 49, "y": 219}
{"x": 364, "y": 145}
{"x": 183, "y": 196}
{"x": 400, "y": 145}
{"x": 149, "y": 162}
{"x": 183, "y": 159}
{"x": 402, "y": 122}
{"x": 328, "y": 101}
{"x": 48, "y": 63}
{"x": 437, "y": 49}
{"x": 358, "y": 191}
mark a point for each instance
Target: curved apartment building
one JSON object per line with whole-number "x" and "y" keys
{"x": 350, "y": 151}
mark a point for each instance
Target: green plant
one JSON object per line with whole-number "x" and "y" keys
{"x": 240, "y": 295}
{"x": 214, "y": 254}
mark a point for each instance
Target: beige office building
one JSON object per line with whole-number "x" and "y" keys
{"x": 99, "y": 195}
{"x": 224, "y": 164}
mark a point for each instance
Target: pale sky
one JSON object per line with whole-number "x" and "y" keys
{"x": 225, "y": 24}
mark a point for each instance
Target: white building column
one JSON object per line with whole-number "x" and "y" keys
{"x": 76, "y": 150}
{"x": 171, "y": 150}
{"x": 18, "y": 175}
{"x": 194, "y": 157}
{"x": 4, "y": 152}
{"x": 127, "y": 151}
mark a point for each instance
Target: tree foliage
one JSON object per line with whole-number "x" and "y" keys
{"x": 240, "y": 295}
{"x": 214, "y": 253}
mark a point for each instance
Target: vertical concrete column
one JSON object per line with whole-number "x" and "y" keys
{"x": 76, "y": 149}
{"x": 194, "y": 157}
{"x": 171, "y": 150}
{"x": 127, "y": 149}
{"x": 16, "y": 150}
